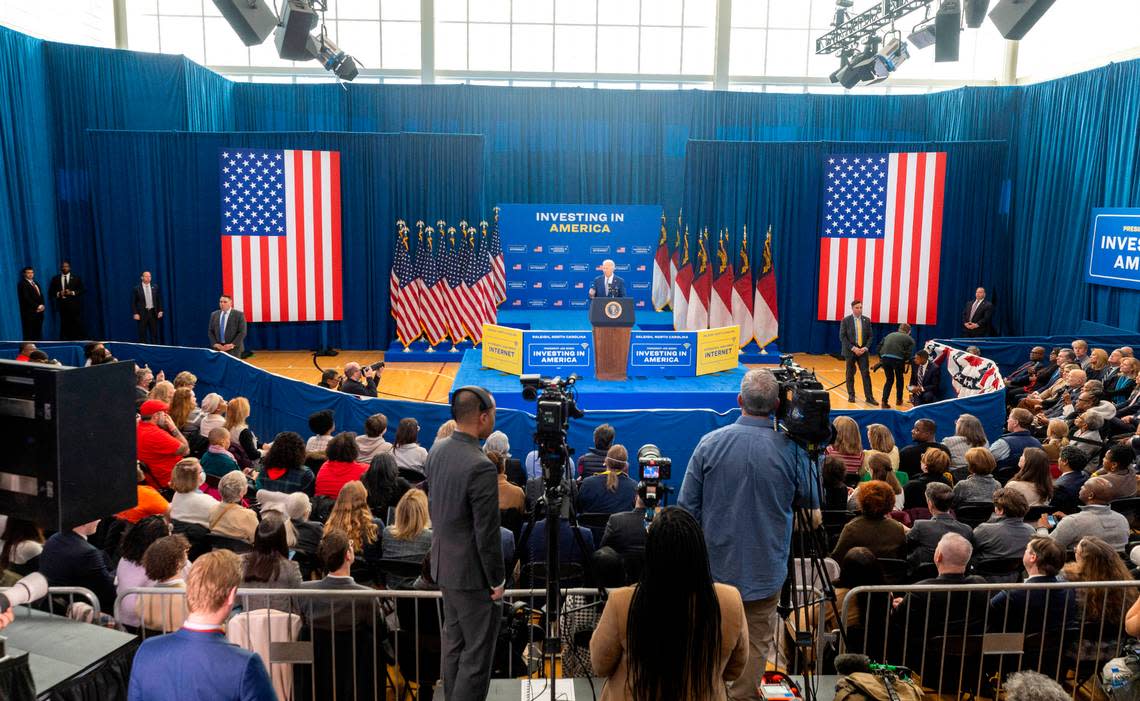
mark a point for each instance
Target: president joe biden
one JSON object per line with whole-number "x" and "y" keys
{"x": 607, "y": 284}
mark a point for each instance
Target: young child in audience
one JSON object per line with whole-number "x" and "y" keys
{"x": 322, "y": 424}
{"x": 218, "y": 460}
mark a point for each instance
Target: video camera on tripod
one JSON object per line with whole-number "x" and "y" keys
{"x": 652, "y": 468}
{"x": 805, "y": 406}
{"x": 556, "y": 406}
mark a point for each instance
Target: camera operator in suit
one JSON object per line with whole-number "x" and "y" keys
{"x": 227, "y": 328}
{"x": 607, "y": 284}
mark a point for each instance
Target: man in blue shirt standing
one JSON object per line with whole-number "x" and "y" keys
{"x": 741, "y": 485}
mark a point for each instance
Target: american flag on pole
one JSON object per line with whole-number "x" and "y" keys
{"x": 450, "y": 251}
{"x": 467, "y": 300}
{"x": 881, "y": 236}
{"x": 281, "y": 243}
{"x": 402, "y": 290}
{"x": 480, "y": 285}
{"x": 498, "y": 266}
{"x": 432, "y": 307}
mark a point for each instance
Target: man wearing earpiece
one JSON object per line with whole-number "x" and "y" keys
{"x": 466, "y": 554}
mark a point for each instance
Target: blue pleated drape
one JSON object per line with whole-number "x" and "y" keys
{"x": 158, "y": 210}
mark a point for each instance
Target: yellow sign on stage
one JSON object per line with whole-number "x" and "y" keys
{"x": 503, "y": 348}
{"x": 718, "y": 349}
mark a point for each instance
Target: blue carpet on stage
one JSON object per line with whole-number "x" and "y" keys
{"x": 717, "y": 392}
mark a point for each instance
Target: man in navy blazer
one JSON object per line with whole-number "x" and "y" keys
{"x": 607, "y": 284}
{"x": 197, "y": 662}
{"x": 68, "y": 560}
{"x": 926, "y": 379}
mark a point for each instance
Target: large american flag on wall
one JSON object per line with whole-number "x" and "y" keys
{"x": 880, "y": 236}
{"x": 281, "y": 244}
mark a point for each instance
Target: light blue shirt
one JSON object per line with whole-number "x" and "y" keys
{"x": 222, "y": 326}
{"x": 741, "y": 484}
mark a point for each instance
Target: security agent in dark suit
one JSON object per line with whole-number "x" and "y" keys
{"x": 855, "y": 337}
{"x": 146, "y": 305}
{"x": 925, "y": 380}
{"x": 31, "y": 299}
{"x": 67, "y": 291}
{"x": 227, "y": 328}
{"x": 466, "y": 552}
{"x": 607, "y": 284}
{"x": 977, "y": 317}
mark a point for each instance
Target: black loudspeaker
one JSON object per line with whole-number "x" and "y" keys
{"x": 1014, "y": 18}
{"x": 297, "y": 21}
{"x": 69, "y": 442}
{"x": 253, "y": 20}
{"x": 976, "y": 12}
{"x": 947, "y": 31}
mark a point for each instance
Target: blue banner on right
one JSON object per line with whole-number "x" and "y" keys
{"x": 662, "y": 353}
{"x": 1114, "y": 248}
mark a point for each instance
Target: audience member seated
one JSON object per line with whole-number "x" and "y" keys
{"x": 1056, "y": 438}
{"x": 968, "y": 433}
{"x": 283, "y": 467}
{"x": 162, "y": 391}
{"x": 923, "y": 538}
{"x": 130, "y": 572}
{"x": 1102, "y": 610}
{"x": 1096, "y": 518}
{"x": 409, "y": 538}
{"x": 1090, "y": 400}
{"x": 1004, "y": 536}
{"x": 1033, "y": 479}
{"x": 213, "y": 413}
{"x": 148, "y": 502}
{"x": 1125, "y": 419}
{"x": 322, "y": 424}
{"x": 197, "y": 662}
{"x": 185, "y": 379}
{"x": 1007, "y": 449}
{"x": 881, "y": 440}
{"x": 384, "y": 484}
{"x": 835, "y": 489}
{"x": 25, "y": 351}
{"x": 229, "y": 518}
{"x": 499, "y": 443}
{"x": 1032, "y": 686}
{"x": 1067, "y": 487}
{"x": 1067, "y": 392}
{"x": 68, "y": 560}
{"x": 1116, "y": 467}
{"x": 1086, "y": 434}
{"x": 159, "y": 443}
{"x": 341, "y": 466}
{"x": 237, "y": 423}
{"x": 610, "y": 491}
{"x": 445, "y": 430}
{"x": 1047, "y": 393}
{"x": 1023, "y": 375}
{"x": 165, "y": 563}
{"x": 872, "y": 529}
{"x": 625, "y": 534}
{"x": 190, "y": 504}
{"x": 593, "y": 460}
{"x": 510, "y": 496}
{"x": 298, "y": 507}
{"x": 910, "y": 457}
{"x": 569, "y": 550}
{"x": 980, "y": 485}
{"x": 1035, "y": 610}
{"x": 218, "y": 460}
{"x": 20, "y": 549}
{"x": 351, "y": 515}
{"x": 847, "y": 446}
{"x": 407, "y": 451}
{"x": 144, "y": 379}
{"x": 268, "y": 565}
{"x": 183, "y": 410}
{"x": 879, "y": 469}
{"x": 675, "y": 600}
{"x": 372, "y": 443}
{"x": 1124, "y": 383}
{"x": 934, "y": 466}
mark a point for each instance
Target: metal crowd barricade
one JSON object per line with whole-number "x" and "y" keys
{"x": 957, "y": 642}
{"x": 360, "y": 644}
{"x": 59, "y": 600}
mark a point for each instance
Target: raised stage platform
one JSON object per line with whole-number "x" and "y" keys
{"x": 717, "y": 391}
{"x": 547, "y": 320}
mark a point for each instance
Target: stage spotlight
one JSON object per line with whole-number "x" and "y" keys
{"x": 332, "y": 58}
{"x": 844, "y": 63}
{"x": 252, "y": 20}
{"x": 922, "y": 35}
{"x": 862, "y": 67}
{"x": 976, "y": 12}
{"x": 893, "y": 54}
{"x": 298, "y": 19}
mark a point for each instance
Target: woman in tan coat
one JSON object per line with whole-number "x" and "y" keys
{"x": 675, "y": 635}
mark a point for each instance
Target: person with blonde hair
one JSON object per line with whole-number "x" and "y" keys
{"x": 409, "y": 538}
{"x": 847, "y": 446}
{"x": 185, "y": 379}
{"x": 351, "y": 515}
{"x": 510, "y": 496}
{"x": 879, "y": 469}
{"x": 1097, "y": 365}
{"x": 229, "y": 518}
{"x": 935, "y": 464}
{"x": 163, "y": 391}
{"x": 237, "y": 418}
{"x": 445, "y": 429}
{"x": 612, "y": 490}
{"x": 190, "y": 504}
{"x": 881, "y": 440}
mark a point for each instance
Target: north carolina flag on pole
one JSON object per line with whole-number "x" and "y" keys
{"x": 675, "y": 259}
{"x": 742, "y": 293}
{"x": 720, "y": 304}
{"x": 281, "y": 257}
{"x": 881, "y": 236}
{"x": 766, "y": 316}
{"x": 697, "y": 317}
{"x": 682, "y": 281}
{"x": 662, "y": 283}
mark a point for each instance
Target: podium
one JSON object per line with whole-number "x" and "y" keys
{"x": 611, "y": 319}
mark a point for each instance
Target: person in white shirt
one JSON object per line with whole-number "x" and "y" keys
{"x": 190, "y": 505}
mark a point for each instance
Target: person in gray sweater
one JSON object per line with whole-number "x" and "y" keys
{"x": 980, "y": 485}
{"x": 1004, "y": 536}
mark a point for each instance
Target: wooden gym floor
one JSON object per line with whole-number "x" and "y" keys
{"x": 431, "y": 382}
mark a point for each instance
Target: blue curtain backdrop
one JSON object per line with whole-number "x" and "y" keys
{"x": 1074, "y": 144}
{"x": 737, "y": 184}
{"x": 158, "y": 209}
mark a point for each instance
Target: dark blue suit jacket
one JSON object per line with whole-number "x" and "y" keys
{"x": 68, "y": 560}
{"x": 617, "y": 286}
{"x": 192, "y": 665}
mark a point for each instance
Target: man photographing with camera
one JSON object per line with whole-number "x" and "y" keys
{"x": 361, "y": 381}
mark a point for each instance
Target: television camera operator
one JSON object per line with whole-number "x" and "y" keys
{"x": 361, "y": 381}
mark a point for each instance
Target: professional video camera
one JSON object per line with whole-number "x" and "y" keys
{"x": 556, "y": 407}
{"x": 652, "y": 468}
{"x": 805, "y": 406}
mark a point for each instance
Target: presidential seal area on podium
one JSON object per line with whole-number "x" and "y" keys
{"x": 612, "y": 319}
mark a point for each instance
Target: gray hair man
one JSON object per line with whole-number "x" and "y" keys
{"x": 607, "y": 284}
{"x": 741, "y": 484}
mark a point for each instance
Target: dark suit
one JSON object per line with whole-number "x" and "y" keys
{"x": 922, "y": 617}
{"x": 1032, "y": 611}
{"x": 983, "y": 317}
{"x": 68, "y": 560}
{"x": 466, "y": 560}
{"x": 847, "y": 340}
{"x": 361, "y": 389}
{"x": 234, "y": 332}
{"x": 339, "y": 625}
{"x": 625, "y": 533}
{"x": 190, "y": 664}
{"x": 70, "y": 306}
{"x": 929, "y": 377}
{"x": 617, "y": 287}
{"x": 148, "y": 318}
{"x": 31, "y": 316}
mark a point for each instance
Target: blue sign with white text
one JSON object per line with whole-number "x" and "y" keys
{"x": 1114, "y": 248}
{"x": 553, "y": 252}
{"x": 662, "y": 353}
{"x": 558, "y": 352}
